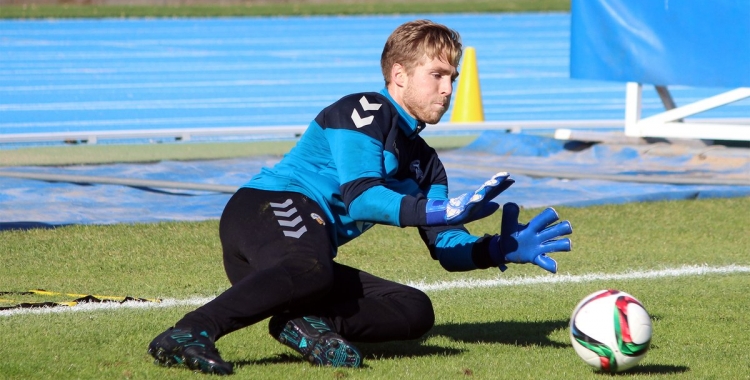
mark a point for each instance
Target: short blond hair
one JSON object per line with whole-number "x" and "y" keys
{"x": 411, "y": 41}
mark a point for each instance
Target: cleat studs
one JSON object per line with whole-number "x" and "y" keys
{"x": 318, "y": 346}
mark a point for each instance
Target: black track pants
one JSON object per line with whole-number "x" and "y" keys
{"x": 278, "y": 257}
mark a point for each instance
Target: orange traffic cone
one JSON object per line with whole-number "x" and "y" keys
{"x": 468, "y": 102}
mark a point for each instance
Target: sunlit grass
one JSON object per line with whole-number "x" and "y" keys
{"x": 505, "y": 332}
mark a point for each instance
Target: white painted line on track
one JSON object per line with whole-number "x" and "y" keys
{"x": 684, "y": 271}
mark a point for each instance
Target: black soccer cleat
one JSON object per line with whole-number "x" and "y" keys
{"x": 315, "y": 340}
{"x": 194, "y": 349}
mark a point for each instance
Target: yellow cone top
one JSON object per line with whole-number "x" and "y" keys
{"x": 467, "y": 106}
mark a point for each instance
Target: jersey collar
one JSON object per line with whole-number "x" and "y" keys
{"x": 406, "y": 122}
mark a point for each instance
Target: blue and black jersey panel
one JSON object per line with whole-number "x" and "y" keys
{"x": 379, "y": 166}
{"x": 362, "y": 161}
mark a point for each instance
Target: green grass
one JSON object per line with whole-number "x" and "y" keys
{"x": 288, "y": 8}
{"x": 506, "y": 332}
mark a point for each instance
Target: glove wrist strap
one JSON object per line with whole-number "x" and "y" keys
{"x": 481, "y": 252}
{"x": 435, "y": 211}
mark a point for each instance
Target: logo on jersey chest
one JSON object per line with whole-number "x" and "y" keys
{"x": 415, "y": 168}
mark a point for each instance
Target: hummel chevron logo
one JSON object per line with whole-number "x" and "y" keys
{"x": 296, "y": 234}
{"x": 290, "y": 223}
{"x": 281, "y": 205}
{"x": 360, "y": 121}
{"x": 288, "y": 218}
{"x": 285, "y": 213}
{"x": 367, "y": 106}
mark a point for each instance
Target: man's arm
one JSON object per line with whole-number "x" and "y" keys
{"x": 457, "y": 250}
{"x": 462, "y": 209}
{"x": 361, "y": 131}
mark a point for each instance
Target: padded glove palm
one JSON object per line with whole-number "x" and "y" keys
{"x": 529, "y": 243}
{"x": 468, "y": 206}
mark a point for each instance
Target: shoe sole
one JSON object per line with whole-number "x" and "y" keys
{"x": 164, "y": 358}
{"x": 328, "y": 350}
{"x": 167, "y": 359}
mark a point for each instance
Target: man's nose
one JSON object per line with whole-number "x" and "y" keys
{"x": 446, "y": 87}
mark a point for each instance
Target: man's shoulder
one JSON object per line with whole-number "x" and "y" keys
{"x": 365, "y": 101}
{"x": 368, "y": 112}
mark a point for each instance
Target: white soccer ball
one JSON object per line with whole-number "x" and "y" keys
{"x": 610, "y": 330}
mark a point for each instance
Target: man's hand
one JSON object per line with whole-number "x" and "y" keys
{"x": 468, "y": 206}
{"x": 529, "y": 243}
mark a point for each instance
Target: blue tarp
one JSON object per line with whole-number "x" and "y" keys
{"x": 688, "y": 42}
{"x": 33, "y": 203}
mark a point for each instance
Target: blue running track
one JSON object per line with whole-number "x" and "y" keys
{"x": 124, "y": 74}
{"x": 113, "y": 75}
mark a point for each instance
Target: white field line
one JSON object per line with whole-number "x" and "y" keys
{"x": 683, "y": 271}
{"x": 694, "y": 270}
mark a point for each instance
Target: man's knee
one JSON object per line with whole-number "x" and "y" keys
{"x": 419, "y": 312}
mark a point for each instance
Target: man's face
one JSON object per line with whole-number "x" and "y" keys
{"x": 427, "y": 91}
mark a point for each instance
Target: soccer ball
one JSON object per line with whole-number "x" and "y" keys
{"x": 610, "y": 330}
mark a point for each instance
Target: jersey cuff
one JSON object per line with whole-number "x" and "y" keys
{"x": 413, "y": 211}
{"x": 480, "y": 253}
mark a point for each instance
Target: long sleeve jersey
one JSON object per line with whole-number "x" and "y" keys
{"x": 363, "y": 161}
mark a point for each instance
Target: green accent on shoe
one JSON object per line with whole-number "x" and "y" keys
{"x": 197, "y": 351}
{"x": 316, "y": 341}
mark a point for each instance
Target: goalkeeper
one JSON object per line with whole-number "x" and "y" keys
{"x": 360, "y": 162}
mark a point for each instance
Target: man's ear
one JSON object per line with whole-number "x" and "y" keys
{"x": 398, "y": 74}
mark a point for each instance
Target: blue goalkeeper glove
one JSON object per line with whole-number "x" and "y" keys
{"x": 529, "y": 243}
{"x": 468, "y": 206}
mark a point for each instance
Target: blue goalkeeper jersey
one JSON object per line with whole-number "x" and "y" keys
{"x": 363, "y": 161}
